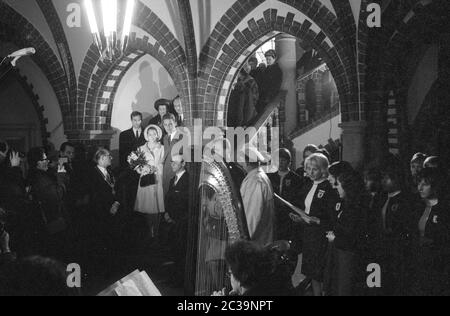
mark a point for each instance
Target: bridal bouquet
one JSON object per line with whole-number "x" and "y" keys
{"x": 139, "y": 162}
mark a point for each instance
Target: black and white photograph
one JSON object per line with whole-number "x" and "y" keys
{"x": 233, "y": 151}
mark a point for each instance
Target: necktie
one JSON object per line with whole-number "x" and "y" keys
{"x": 137, "y": 134}
{"x": 384, "y": 214}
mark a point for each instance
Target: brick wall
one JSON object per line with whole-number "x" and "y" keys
{"x": 14, "y": 28}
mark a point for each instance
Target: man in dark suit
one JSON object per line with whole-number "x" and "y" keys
{"x": 169, "y": 141}
{"x": 287, "y": 184}
{"x": 177, "y": 212}
{"x": 178, "y": 110}
{"x": 163, "y": 107}
{"x": 272, "y": 79}
{"x": 131, "y": 139}
{"x": 104, "y": 205}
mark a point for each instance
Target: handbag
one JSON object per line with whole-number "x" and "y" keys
{"x": 147, "y": 181}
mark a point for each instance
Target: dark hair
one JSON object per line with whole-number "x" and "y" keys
{"x": 136, "y": 114}
{"x": 311, "y": 148}
{"x": 419, "y": 157}
{"x": 35, "y": 276}
{"x": 253, "y": 59}
{"x": 65, "y": 145}
{"x": 100, "y": 153}
{"x": 169, "y": 116}
{"x": 3, "y": 146}
{"x": 374, "y": 174}
{"x": 271, "y": 53}
{"x": 353, "y": 185}
{"x": 433, "y": 162}
{"x": 324, "y": 152}
{"x": 285, "y": 154}
{"x": 245, "y": 259}
{"x": 435, "y": 178}
{"x": 339, "y": 168}
{"x": 243, "y": 72}
{"x": 34, "y": 156}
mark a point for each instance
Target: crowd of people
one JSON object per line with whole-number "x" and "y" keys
{"x": 75, "y": 209}
{"x": 343, "y": 222}
{"x": 257, "y": 85}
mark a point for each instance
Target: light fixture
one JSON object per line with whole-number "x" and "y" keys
{"x": 107, "y": 40}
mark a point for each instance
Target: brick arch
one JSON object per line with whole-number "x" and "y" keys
{"x": 108, "y": 76}
{"x": 219, "y": 60}
{"x": 34, "y": 98}
{"x": 262, "y": 32}
{"x": 97, "y": 91}
{"x": 14, "y": 28}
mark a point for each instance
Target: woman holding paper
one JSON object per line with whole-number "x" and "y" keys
{"x": 317, "y": 216}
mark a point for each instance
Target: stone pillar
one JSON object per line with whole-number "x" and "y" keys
{"x": 287, "y": 59}
{"x": 353, "y": 141}
{"x": 303, "y": 112}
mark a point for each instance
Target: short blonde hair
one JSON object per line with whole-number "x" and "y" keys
{"x": 321, "y": 161}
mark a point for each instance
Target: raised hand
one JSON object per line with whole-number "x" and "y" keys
{"x": 14, "y": 158}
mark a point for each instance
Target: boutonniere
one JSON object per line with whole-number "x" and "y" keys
{"x": 288, "y": 183}
{"x": 321, "y": 194}
{"x": 394, "y": 208}
{"x": 436, "y": 219}
{"x": 338, "y": 207}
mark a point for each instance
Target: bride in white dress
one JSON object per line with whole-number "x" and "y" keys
{"x": 150, "y": 199}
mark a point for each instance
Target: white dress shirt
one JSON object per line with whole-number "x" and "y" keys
{"x": 310, "y": 197}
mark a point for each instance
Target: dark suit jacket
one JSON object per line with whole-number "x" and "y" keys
{"x": 129, "y": 143}
{"x": 177, "y": 199}
{"x": 168, "y": 146}
{"x": 50, "y": 193}
{"x": 323, "y": 205}
{"x": 101, "y": 196}
{"x": 157, "y": 120}
{"x": 349, "y": 225}
{"x": 291, "y": 188}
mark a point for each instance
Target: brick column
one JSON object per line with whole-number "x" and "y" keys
{"x": 302, "y": 111}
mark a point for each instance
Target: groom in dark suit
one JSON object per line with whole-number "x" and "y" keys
{"x": 131, "y": 139}
{"x": 170, "y": 140}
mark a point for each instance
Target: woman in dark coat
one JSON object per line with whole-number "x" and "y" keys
{"x": 344, "y": 238}
{"x": 48, "y": 193}
{"x": 319, "y": 208}
{"x": 431, "y": 237}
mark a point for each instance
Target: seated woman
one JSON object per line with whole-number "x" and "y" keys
{"x": 258, "y": 272}
{"x": 432, "y": 237}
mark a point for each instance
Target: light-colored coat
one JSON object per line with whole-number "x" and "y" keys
{"x": 258, "y": 199}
